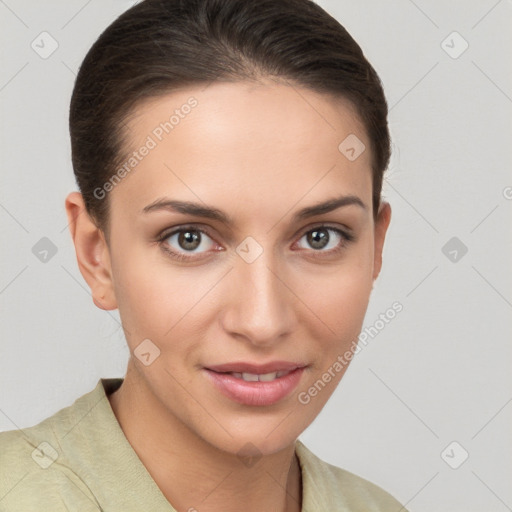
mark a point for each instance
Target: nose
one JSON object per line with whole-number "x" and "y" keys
{"x": 260, "y": 306}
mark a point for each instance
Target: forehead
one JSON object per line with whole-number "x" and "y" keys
{"x": 254, "y": 144}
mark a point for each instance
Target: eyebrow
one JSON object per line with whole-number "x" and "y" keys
{"x": 200, "y": 210}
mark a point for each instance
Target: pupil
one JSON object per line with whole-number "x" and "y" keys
{"x": 318, "y": 238}
{"x": 189, "y": 239}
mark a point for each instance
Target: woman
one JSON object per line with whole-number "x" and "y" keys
{"x": 230, "y": 157}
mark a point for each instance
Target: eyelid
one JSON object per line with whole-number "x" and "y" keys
{"x": 345, "y": 233}
{"x": 178, "y": 255}
{"x": 166, "y": 233}
{"x": 343, "y": 229}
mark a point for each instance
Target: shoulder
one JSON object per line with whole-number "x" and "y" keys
{"x": 332, "y": 488}
{"x": 34, "y": 473}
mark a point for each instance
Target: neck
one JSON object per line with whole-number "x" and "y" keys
{"x": 193, "y": 474}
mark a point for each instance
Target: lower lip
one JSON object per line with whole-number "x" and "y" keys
{"x": 255, "y": 393}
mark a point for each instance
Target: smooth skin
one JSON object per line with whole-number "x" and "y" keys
{"x": 259, "y": 152}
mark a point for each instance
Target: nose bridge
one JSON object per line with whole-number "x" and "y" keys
{"x": 260, "y": 307}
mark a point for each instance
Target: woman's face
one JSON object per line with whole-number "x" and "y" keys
{"x": 222, "y": 270}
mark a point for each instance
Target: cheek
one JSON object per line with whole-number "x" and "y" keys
{"x": 340, "y": 294}
{"x": 143, "y": 295}
{"x": 153, "y": 296}
{"x": 340, "y": 303}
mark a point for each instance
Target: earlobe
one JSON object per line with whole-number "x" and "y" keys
{"x": 92, "y": 252}
{"x": 381, "y": 227}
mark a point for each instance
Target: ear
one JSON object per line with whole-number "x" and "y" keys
{"x": 92, "y": 252}
{"x": 381, "y": 227}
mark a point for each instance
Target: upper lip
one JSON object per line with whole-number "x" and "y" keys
{"x": 257, "y": 369}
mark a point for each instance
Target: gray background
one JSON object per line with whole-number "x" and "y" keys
{"x": 437, "y": 373}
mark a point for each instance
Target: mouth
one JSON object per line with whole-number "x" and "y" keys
{"x": 262, "y": 377}
{"x": 256, "y": 385}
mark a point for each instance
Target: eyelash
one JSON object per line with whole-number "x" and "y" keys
{"x": 347, "y": 238}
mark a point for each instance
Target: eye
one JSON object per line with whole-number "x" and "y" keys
{"x": 326, "y": 239}
{"x": 186, "y": 241}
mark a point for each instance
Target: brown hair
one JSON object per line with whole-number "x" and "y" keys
{"x": 161, "y": 45}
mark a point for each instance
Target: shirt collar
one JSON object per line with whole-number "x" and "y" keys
{"x": 112, "y": 470}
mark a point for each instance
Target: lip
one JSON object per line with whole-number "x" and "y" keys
{"x": 243, "y": 367}
{"x": 259, "y": 393}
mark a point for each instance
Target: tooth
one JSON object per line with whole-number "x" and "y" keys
{"x": 250, "y": 377}
{"x": 267, "y": 376}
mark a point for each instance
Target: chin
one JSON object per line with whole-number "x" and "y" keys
{"x": 254, "y": 437}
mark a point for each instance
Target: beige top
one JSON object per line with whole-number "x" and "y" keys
{"x": 79, "y": 460}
